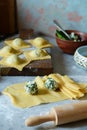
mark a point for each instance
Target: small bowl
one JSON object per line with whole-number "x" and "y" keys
{"x": 69, "y": 46}
{"x": 80, "y": 56}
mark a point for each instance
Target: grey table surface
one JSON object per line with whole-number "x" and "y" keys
{"x": 13, "y": 118}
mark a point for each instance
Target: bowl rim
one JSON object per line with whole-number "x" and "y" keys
{"x": 80, "y": 59}
{"x": 72, "y": 40}
{"x": 81, "y": 48}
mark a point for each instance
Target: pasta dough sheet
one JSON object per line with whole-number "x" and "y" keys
{"x": 23, "y": 99}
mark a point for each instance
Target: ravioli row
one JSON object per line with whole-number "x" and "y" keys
{"x": 37, "y": 42}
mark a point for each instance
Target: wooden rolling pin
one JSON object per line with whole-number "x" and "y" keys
{"x": 62, "y": 114}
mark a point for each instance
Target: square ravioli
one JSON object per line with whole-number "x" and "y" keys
{"x": 17, "y": 43}
{"x": 37, "y": 54}
{"x": 14, "y": 61}
{"x": 40, "y": 42}
{"x": 7, "y": 51}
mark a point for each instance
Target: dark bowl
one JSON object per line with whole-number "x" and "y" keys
{"x": 69, "y": 46}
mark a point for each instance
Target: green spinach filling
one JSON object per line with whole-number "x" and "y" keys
{"x": 51, "y": 84}
{"x": 31, "y": 87}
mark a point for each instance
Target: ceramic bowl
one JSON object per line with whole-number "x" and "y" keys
{"x": 69, "y": 46}
{"x": 80, "y": 56}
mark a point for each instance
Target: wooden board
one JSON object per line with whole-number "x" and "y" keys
{"x": 40, "y": 67}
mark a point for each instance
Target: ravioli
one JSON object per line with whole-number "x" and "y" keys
{"x": 7, "y": 51}
{"x": 37, "y": 54}
{"x": 17, "y": 43}
{"x": 14, "y": 61}
{"x": 40, "y": 42}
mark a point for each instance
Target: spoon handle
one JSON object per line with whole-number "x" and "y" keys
{"x": 61, "y": 29}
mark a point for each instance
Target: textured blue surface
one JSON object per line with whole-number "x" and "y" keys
{"x": 39, "y": 14}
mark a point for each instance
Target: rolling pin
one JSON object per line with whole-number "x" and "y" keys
{"x": 62, "y": 114}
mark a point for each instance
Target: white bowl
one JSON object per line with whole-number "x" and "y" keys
{"x": 80, "y": 56}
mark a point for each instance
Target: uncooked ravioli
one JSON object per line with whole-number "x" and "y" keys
{"x": 14, "y": 61}
{"x": 7, "y": 51}
{"x": 40, "y": 42}
{"x": 37, "y": 54}
{"x": 17, "y": 43}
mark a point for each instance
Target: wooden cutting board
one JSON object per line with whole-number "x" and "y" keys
{"x": 40, "y": 67}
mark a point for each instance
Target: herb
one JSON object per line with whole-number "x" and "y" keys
{"x": 61, "y": 35}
